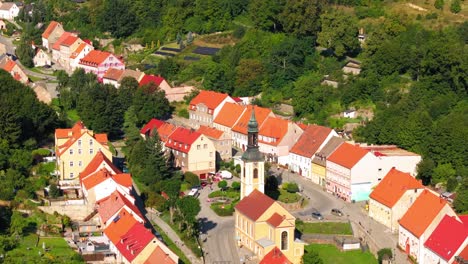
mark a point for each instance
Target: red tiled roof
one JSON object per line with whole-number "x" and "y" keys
{"x": 62, "y": 132}
{"x": 97, "y": 163}
{"x": 151, "y": 78}
{"x": 62, "y": 38}
{"x": 134, "y": 241}
{"x": 101, "y": 138}
{"x": 447, "y": 238}
{"x": 275, "y": 219}
{"x": 347, "y": 155}
{"x": 210, "y": 132}
{"x": 261, "y": 115}
{"x": 159, "y": 256}
{"x": 275, "y": 256}
{"x": 464, "y": 219}
{"x": 119, "y": 226}
{"x": 78, "y": 50}
{"x": 123, "y": 179}
{"x": 113, "y": 74}
{"x": 50, "y": 28}
{"x": 9, "y": 66}
{"x": 95, "y": 57}
{"x": 463, "y": 255}
{"x": 393, "y": 186}
{"x": 113, "y": 203}
{"x": 69, "y": 41}
{"x": 181, "y": 139}
{"x": 152, "y": 124}
{"x": 311, "y": 140}
{"x": 421, "y": 214}
{"x": 273, "y": 127}
{"x": 165, "y": 131}
{"x": 209, "y": 98}
{"x": 229, "y": 114}
{"x": 254, "y": 205}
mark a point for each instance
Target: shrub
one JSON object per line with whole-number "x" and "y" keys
{"x": 431, "y": 16}
{"x": 226, "y": 210}
{"x": 452, "y": 184}
{"x": 455, "y": 7}
{"x": 54, "y": 191}
{"x": 183, "y": 113}
{"x": 222, "y": 184}
{"x": 384, "y": 252}
{"x": 192, "y": 179}
{"x": 239, "y": 32}
{"x": 235, "y": 185}
{"x": 292, "y": 187}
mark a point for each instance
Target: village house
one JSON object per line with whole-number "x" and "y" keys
{"x": 8, "y": 10}
{"x": 222, "y": 143}
{"x": 98, "y": 62}
{"x": 67, "y": 47}
{"x": 111, "y": 206}
{"x": 420, "y": 221}
{"x": 352, "y": 67}
{"x": 2, "y": 25}
{"x": 302, "y": 152}
{"x": 41, "y": 58}
{"x": 164, "y": 130}
{"x": 103, "y": 182}
{"x": 351, "y": 173}
{"x": 276, "y": 137}
{"x": 262, "y": 225}
{"x": 392, "y": 197}
{"x": 192, "y": 151}
{"x": 75, "y": 149}
{"x": 115, "y": 76}
{"x": 14, "y": 69}
{"x": 56, "y": 46}
{"x": 228, "y": 116}
{"x": 99, "y": 162}
{"x": 205, "y": 107}
{"x": 446, "y": 242}
{"x": 52, "y": 33}
{"x": 80, "y": 52}
{"x": 239, "y": 130}
{"x": 173, "y": 94}
{"x": 156, "y": 252}
{"x": 319, "y": 161}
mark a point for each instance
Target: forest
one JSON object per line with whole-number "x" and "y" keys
{"x": 414, "y": 67}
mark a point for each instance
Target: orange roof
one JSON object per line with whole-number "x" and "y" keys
{"x": 69, "y": 41}
{"x": 50, "y": 29}
{"x": 9, "y": 66}
{"x": 113, "y": 203}
{"x": 229, "y": 114}
{"x": 123, "y": 179}
{"x": 96, "y": 163}
{"x": 120, "y": 226}
{"x": 421, "y": 214}
{"x": 95, "y": 57}
{"x": 62, "y": 38}
{"x": 275, "y": 256}
{"x": 311, "y": 140}
{"x": 347, "y": 155}
{"x": 113, "y": 74}
{"x": 209, "y": 98}
{"x": 210, "y": 132}
{"x": 260, "y": 114}
{"x": 273, "y": 127}
{"x": 101, "y": 138}
{"x": 275, "y": 219}
{"x": 62, "y": 132}
{"x": 254, "y": 205}
{"x": 78, "y": 50}
{"x": 159, "y": 256}
{"x": 165, "y": 131}
{"x": 393, "y": 186}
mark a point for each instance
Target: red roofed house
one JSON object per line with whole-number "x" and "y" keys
{"x": 14, "y": 69}
{"x": 153, "y": 124}
{"x": 103, "y": 182}
{"x": 262, "y": 225}
{"x": 111, "y": 206}
{"x": 119, "y": 226}
{"x": 76, "y": 147}
{"x": 98, "y": 62}
{"x": 156, "y": 252}
{"x": 351, "y": 173}
{"x": 192, "y": 151}
{"x": 446, "y": 242}
{"x": 173, "y": 94}
{"x": 67, "y": 47}
{"x": 41, "y": 58}
{"x": 115, "y": 76}
{"x": 420, "y": 221}
{"x": 222, "y": 142}
{"x": 228, "y": 116}
{"x": 80, "y": 52}
{"x": 319, "y": 161}
{"x": 392, "y": 197}
{"x": 132, "y": 243}
{"x": 52, "y": 34}
{"x": 205, "y": 107}
{"x": 275, "y": 257}
{"x": 303, "y": 151}
{"x": 99, "y": 162}
{"x": 276, "y": 137}
{"x": 239, "y": 130}
{"x": 56, "y": 45}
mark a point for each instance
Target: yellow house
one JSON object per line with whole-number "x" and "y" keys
{"x": 319, "y": 164}
{"x": 76, "y": 147}
{"x": 392, "y": 198}
{"x": 262, "y": 224}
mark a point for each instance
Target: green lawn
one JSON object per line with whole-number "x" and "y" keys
{"x": 287, "y": 197}
{"x": 34, "y": 78}
{"x": 73, "y": 115}
{"x": 330, "y": 254}
{"x": 332, "y": 228}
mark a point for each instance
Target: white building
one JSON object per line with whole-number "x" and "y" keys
{"x": 8, "y": 10}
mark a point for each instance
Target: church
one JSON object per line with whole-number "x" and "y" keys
{"x": 261, "y": 224}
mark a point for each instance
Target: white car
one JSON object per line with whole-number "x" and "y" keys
{"x": 225, "y": 174}
{"x": 193, "y": 192}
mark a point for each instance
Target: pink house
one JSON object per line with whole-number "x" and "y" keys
{"x": 351, "y": 172}
{"x": 98, "y": 62}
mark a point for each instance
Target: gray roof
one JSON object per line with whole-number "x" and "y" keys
{"x": 321, "y": 156}
{"x": 265, "y": 242}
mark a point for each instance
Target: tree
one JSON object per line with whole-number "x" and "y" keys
{"x": 442, "y": 172}
{"x": 339, "y": 33}
{"x": 439, "y": 4}
{"x": 264, "y": 14}
{"x": 452, "y": 184}
{"x": 155, "y": 165}
{"x": 25, "y": 54}
{"x": 118, "y": 18}
{"x": 54, "y": 191}
{"x": 222, "y": 184}
{"x": 172, "y": 189}
{"x": 311, "y": 257}
{"x": 235, "y": 185}
{"x": 189, "y": 207}
{"x": 18, "y": 223}
{"x": 302, "y": 17}
{"x": 271, "y": 187}
{"x": 191, "y": 178}
{"x": 461, "y": 201}
{"x": 455, "y": 6}
{"x": 292, "y": 187}
{"x": 384, "y": 253}
{"x": 249, "y": 76}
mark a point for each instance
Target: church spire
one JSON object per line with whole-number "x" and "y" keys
{"x": 252, "y": 153}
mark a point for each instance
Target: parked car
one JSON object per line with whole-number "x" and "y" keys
{"x": 337, "y": 212}
{"x": 193, "y": 192}
{"x": 317, "y": 215}
{"x": 225, "y": 174}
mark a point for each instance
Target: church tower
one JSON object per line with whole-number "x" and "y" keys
{"x": 253, "y": 162}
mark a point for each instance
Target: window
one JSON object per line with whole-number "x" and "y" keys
{"x": 71, "y": 151}
{"x": 205, "y": 146}
{"x": 284, "y": 240}
{"x": 183, "y": 155}
{"x": 90, "y": 142}
{"x": 91, "y": 151}
{"x": 244, "y": 172}
{"x": 71, "y": 163}
{"x": 211, "y": 164}
{"x": 79, "y": 151}
{"x": 198, "y": 147}
{"x": 80, "y": 163}
{"x": 211, "y": 154}
{"x": 255, "y": 173}
{"x": 71, "y": 174}
{"x": 79, "y": 142}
